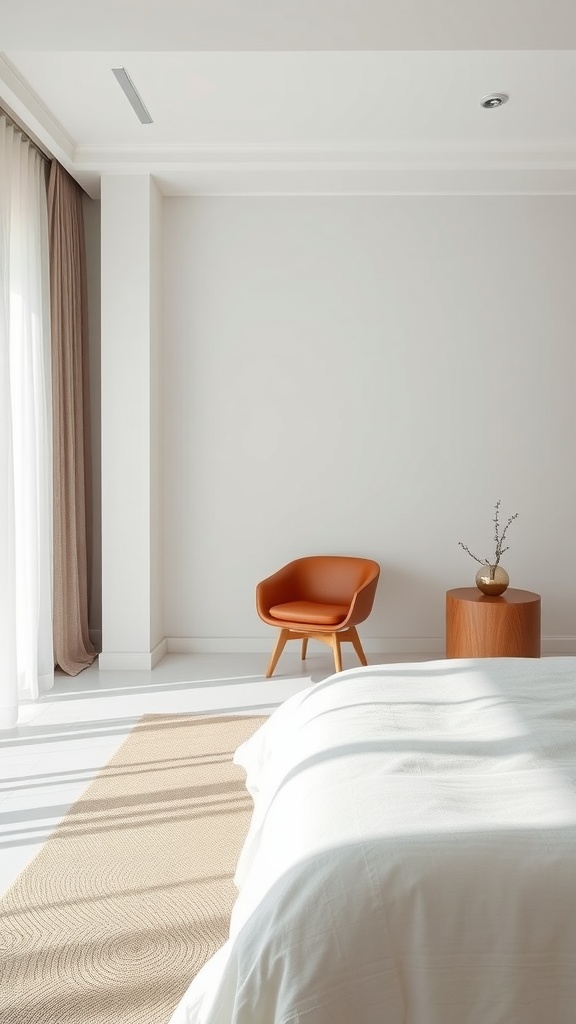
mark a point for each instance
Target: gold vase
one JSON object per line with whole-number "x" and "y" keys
{"x": 492, "y": 580}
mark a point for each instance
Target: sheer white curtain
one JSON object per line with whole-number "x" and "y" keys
{"x": 26, "y": 648}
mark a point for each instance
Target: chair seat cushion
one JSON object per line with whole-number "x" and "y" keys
{"x": 310, "y": 612}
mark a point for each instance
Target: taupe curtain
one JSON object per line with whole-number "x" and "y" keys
{"x": 71, "y": 435}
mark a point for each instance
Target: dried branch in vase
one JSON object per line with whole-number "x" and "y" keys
{"x": 499, "y": 538}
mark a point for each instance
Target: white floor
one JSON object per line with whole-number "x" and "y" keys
{"x": 63, "y": 740}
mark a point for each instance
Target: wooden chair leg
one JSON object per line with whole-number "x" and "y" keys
{"x": 335, "y": 645}
{"x": 304, "y": 648}
{"x": 357, "y": 645}
{"x": 279, "y": 646}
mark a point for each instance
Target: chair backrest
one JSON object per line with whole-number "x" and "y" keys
{"x": 332, "y": 578}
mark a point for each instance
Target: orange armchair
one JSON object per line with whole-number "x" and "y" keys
{"x": 320, "y": 596}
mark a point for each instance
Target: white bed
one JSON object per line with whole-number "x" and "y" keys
{"x": 412, "y": 853}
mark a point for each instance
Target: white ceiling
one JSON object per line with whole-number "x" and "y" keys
{"x": 348, "y": 96}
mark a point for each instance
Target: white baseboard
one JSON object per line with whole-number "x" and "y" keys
{"x": 433, "y": 645}
{"x": 552, "y": 646}
{"x": 556, "y": 646}
{"x": 259, "y": 645}
{"x": 132, "y": 660}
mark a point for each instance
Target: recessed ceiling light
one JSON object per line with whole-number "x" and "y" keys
{"x": 129, "y": 89}
{"x": 495, "y": 99}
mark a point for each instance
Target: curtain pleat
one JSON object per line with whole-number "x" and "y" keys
{"x": 71, "y": 436}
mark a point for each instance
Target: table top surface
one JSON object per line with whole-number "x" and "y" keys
{"x": 510, "y": 596}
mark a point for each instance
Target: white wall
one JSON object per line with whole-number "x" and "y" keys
{"x": 367, "y": 376}
{"x": 156, "y": 422}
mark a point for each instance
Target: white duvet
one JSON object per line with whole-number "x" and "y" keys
{"x": 412, "y": 853}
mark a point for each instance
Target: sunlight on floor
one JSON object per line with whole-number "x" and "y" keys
{"x": 63, "y": 740}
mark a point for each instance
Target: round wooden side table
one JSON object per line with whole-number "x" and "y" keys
{"x": 479, "y": 626}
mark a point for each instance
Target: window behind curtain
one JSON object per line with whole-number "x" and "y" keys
{"x": 26, "y": 650}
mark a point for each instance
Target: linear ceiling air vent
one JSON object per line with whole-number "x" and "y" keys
{"x": 128, "y": 88}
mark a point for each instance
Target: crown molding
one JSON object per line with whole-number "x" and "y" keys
{"x": 343, "y": 170}
{"x": 545, "y": 156}
{"x": 27, "y": 108}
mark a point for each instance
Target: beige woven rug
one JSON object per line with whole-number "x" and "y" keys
{"x": 133, "y": 891}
